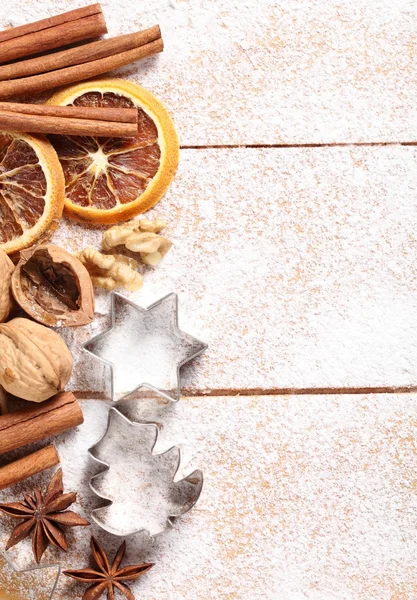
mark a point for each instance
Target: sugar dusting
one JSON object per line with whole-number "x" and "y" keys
{"x": 144, "y": 347}
{"x": 296, "y": 266}
{"x": 266, "y": 72}
{"x": 304, "y": 497}
{"x": 139, "y": 354}
{"x": 150, "y": 496}
{"x": 31, "y": 585}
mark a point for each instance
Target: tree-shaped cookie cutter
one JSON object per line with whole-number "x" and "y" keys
{"x": 144, "y": 347}
{"x": 152, "y": 516}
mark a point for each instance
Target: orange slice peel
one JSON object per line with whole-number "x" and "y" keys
{"x": 31, "y": 190}
{"x": 111, "y": 179}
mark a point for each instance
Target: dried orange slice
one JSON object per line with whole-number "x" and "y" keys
{"x": 113, "y": 179}
{"x": 31, "y": 190}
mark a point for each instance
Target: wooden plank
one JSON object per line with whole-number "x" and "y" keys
{"x": 297, "y": 267}
{"x": 306, "y": 496}
{"x": 260, "y": 72}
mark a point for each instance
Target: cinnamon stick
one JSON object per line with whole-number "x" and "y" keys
{"x": 59, "y": 77}
{"x": 36, "y": 423}
{"x": 80, "y": 54}
{"x": 28, "y": 466}
{"x": 72, "y": 15}
{"x": 119, "y": 115}
{"x": 13, "y": 121}
{"x": 82, "y": 24}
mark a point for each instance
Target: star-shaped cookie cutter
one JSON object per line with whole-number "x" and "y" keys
{"x": 138, "y": 336}
{"x": 183, "y": 494}
{"x": 17, "y": 573}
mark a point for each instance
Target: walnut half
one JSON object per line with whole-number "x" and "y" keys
{"x": 141, "y": 237}
{"x": 111, "y": 271}
{"x": 53, "y": 287}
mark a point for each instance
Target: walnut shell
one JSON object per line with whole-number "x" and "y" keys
{"x": 53, "y": 287}
{"x": 6, "y": 298}
{"x": 35, "y": 362}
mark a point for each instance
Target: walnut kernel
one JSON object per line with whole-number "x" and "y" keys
{"x": 111, "y": 271}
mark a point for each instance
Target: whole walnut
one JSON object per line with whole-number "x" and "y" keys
{"x": 6, "y": 299}
{"x": 35, "y": 362}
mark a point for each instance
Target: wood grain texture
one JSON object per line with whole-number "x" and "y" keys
{"x": 304, "y": 497}
{"x": 261, "y": 71}
{"x": 296, "y": 266}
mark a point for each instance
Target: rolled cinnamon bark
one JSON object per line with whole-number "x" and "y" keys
{"x": 80, "y": 54}
{"x": 71, "y": 15}
{"x": 28, "y": 466}
{"x": 53, "y": 79}
{"x": 11, "y": 121}
{"x": 36, "y": 423}
{"x": 118, "y": 115}
{"x": 62, "y": 30}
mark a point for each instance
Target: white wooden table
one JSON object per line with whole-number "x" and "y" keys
{"x": 294, "y": 218}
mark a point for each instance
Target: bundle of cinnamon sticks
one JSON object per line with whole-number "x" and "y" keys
{"x": 33, "y": 424}
{"x": 39, "y": 73}
{"x": 47, "y": 34}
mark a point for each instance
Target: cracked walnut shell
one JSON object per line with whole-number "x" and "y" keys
{"x": 6, "y": 299}
{"x": 35, "y": 363}
{"x": 53, "y": 287}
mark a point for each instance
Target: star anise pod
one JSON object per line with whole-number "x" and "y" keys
{"x": 46, "y": 514}
{"x": 108, "y": 577}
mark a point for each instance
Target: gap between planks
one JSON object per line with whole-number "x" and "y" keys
{"x": 282, "y": 146}
{"x": 194, "y": 393}
{"x": 83, "y": 395}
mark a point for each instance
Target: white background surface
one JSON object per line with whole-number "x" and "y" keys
{"x": 297, "y": 265}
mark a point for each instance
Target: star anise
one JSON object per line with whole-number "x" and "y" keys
{"x": 46, "y": 514}
{"x": 108, "y": 577}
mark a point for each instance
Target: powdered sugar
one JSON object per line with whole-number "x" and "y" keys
{"x": 139, "y": 480}
{"x": 32, "y": 585}
{"x": 144, "y": 347}
{"x": 297, "y": 267}
{"x": 256, "y": 71}
{"x": 304, "y": 497}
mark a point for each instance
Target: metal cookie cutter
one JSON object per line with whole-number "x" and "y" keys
{"x": 144, "y": 347}
{"x": 138, "y": 484}
{"x": 37, "y": 583}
